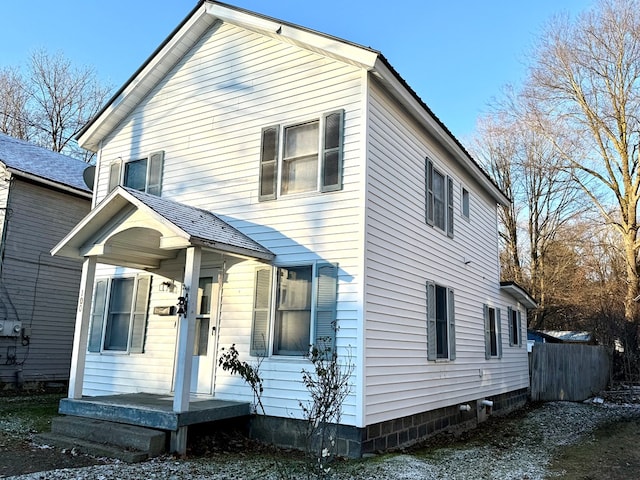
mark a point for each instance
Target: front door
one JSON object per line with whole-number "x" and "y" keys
{"x": 204, "y": 347}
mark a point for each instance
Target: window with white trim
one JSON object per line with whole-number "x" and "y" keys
{"x": 492, "y": 332}
{"x": 293, "y": 308}
{"x": 144, "y": 174}
{"x": 515, "y": 327}
{"x": 465, "y": 205}
{"x": 119, "y": 314}
{"x": 303, "y": 157}
{"x": 441, "y": 327}
{"x": 439, "y": 198}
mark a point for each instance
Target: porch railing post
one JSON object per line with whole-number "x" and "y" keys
{"x": 81, "y": 332}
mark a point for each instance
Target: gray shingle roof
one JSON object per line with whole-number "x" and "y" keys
{"x": 201, "y": 225}
{"x": 30, "y": 159}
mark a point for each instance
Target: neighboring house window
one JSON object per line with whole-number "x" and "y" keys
{"x": 439, "y": 199}
{"x": 310, "y": 160}
{"x": 300, "y": 311}
{"x": 119, "y": 314}
{"x": 441, "y": 329}
{"x": 515, "y": 327}
{"x": 465, "y": 203}
{"x": 143, "y": 174}
{"x": 493, "y": 335}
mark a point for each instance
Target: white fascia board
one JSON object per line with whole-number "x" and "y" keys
{"x": 391, "y": 81}
{"x": 102, "y": 215}
{"x": 305, "y": 38}
{"x": 137, "y": 87}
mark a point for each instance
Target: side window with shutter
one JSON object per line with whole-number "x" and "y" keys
{"x": 140, "y": 314}
{"x": 450, "y": 207}
{"x": 331, "y": 156}
{"x": 269, "y": 163}
{"x": 452, "y": 323}
{"x": 429, "y": 190}
{"x": 432, "y": 351}
{"x": 261, "y": 312}
{"x": 97, "y": 315}
{"x": 154, "y": 173}
{"x": 115, "y": 171}
{"x": 326, "y": 301}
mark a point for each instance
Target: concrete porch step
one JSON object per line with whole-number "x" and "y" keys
{"x": 103, "y": 438}
{"x": 91, "y": 448}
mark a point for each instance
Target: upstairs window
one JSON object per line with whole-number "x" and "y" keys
{"x": 465, "y": 207}
{"x": 305, "y": 157}
{"x": 492, "y": 333}
{"x": 441, "y": 329}
{"x": 439, "y": 199}
{"x": 143, "y": 174}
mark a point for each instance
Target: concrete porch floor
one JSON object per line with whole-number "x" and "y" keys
{"x": 151, "y": 410}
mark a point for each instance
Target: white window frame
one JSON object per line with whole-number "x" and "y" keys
{"x": 492, "y": 333}
{"x": 448, "y": 203}
{"x": 323, "y": 306}
{"x": 103, "y": 317}
{"x": 153, "y": 177}
{"x": 465, "y": 193}
{"x": 329, "y": 158}
{"x": 432, "y": 322}
{"x": 515, "y": 327}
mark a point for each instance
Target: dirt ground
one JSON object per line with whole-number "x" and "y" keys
{"x": 610, "y": 451}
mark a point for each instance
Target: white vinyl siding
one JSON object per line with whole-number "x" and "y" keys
{"x": 402, "y": 250}
{"x": 211, "y": 135}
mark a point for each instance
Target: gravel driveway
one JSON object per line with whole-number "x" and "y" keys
{"x": 517, "y": 447}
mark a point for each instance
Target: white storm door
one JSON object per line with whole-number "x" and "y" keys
{"x": 204, "y": 347}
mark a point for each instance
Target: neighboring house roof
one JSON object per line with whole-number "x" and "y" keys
{"x": 208, "y": 12}
{"x": 36, "y": 163}
{"x": 177, "y": 225}
{"x": 519, "y": 293}
{"x": 561, "y": 336}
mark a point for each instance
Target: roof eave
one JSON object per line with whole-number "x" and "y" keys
{"x": 519, "y": 293}
{"x": 410, "y": 100}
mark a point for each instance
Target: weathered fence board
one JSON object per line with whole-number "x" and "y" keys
{"x": 561, "y": 371}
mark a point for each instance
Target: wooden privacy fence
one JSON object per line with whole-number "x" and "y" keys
{"x": 564, "y": 371}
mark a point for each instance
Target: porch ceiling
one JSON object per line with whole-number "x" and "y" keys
{"x": 134, "y": 229}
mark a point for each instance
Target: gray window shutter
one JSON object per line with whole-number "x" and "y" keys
{"x": 487, "y": 333}
{"x": 429, "y": 190}
{"x": 154, "y": 175}
{"x": 331, "y": 156}
{"x": 432, "y": 350}
{"x": 97, "y": 315}
{"x": 261, "y": 312}
{"x": 115, "y": 171}
{"x": 510, "y": 322}
{"x": 326, "y": 307}
{"x": 449, "y": 207}
{"x": 139, "y": 314}
{"x": 499, "y": 332}
{"x": 268, "y": 163}
{"x": 452, "y": 324}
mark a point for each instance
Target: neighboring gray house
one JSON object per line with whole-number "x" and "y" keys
{"x": 42, "y": 195}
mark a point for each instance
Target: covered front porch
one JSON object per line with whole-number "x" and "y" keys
{"x": 135, "y": 230}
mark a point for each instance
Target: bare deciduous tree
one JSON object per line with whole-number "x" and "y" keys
{"x": 52, "y": 103}
{"x": 584, "y": 85}
{"x": 14, "y": 96}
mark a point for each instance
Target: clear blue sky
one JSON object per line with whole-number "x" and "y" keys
{"x": 457, "y": 55}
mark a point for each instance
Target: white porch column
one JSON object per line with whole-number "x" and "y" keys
{"x": 81, "y": 332}
{"x": 186, "y": 331}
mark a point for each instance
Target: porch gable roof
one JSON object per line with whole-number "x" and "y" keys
{"x": 176, "y": 225}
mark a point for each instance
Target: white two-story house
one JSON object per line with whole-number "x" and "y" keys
{"x": 287, "y": 185}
